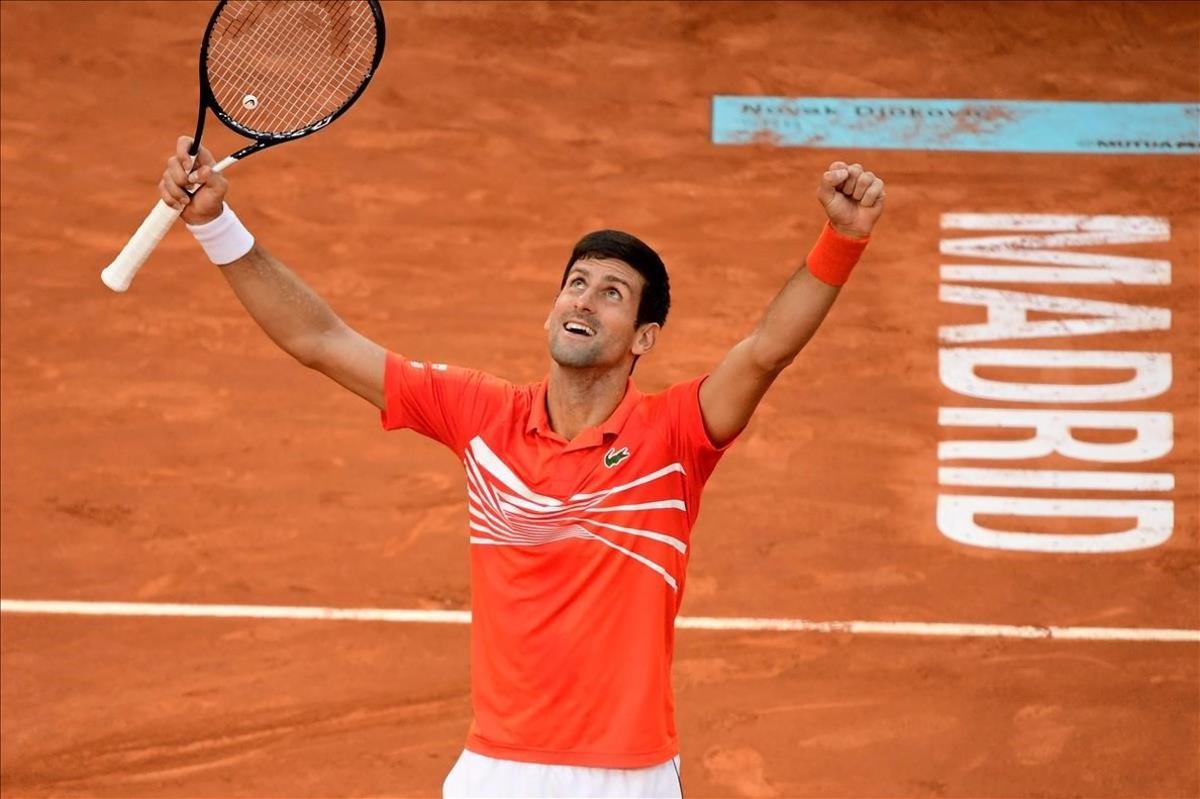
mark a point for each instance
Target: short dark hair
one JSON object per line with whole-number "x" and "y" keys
{"x": 656, "y": 295}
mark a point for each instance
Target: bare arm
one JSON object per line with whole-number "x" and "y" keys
{"x": 287, "y": 309}
{"x": 853, "y": 200}
{"x": 304, "y": 326}
{"x": 732, "y": 392}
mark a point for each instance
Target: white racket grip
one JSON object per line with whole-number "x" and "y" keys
{"x": 119, "y": 274}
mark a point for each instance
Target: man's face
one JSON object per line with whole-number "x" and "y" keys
{"x": 593, "y": 321}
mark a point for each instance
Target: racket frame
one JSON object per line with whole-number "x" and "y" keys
{"x": 263, "y": 140}
{"x": 119, "y": 274}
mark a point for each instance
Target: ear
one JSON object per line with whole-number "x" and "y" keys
{"x": 546, "y": 326}
{"x": 647, "y": 336}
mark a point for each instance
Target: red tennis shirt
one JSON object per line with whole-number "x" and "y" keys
{"x": 578, "y": 555}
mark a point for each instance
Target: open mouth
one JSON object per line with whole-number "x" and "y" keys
{"x": 578, "y": 329}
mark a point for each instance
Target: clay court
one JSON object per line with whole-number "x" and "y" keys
{"x": 157, "y": 448}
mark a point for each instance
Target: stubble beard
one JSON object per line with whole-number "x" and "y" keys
{"x": 575, "y": 354}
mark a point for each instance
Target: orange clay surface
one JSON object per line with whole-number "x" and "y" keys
{"x": 158, "y": 448}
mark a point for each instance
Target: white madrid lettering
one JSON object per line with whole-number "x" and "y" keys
{"x": 1033, "y": 248}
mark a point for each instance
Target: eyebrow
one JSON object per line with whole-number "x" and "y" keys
{"x": 609, "y": 278}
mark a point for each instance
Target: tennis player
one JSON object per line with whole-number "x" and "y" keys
{"x": 582, "y": 491}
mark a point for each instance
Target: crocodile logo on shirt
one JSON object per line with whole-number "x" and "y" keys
{"x": 615, "y": 456}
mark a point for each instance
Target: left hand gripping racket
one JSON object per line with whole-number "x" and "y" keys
{"x": 272, "y": 71}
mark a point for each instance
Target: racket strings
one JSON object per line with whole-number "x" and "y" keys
{"x": 292, "y": 79}
{"x": 279, "y": 67}
{"x": 308, "y": 84}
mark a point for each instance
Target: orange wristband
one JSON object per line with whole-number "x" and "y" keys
{"x": 833, "y": 256}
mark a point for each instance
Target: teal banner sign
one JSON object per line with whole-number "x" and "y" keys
{"x": 998, "y": 126}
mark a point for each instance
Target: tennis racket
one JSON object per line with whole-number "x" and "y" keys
{"x": 272, "y": 71}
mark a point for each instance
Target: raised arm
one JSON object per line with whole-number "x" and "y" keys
{"x": 291, "y": 313}
{"x": 853, "y": 201}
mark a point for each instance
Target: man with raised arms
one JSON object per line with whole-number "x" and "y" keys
{"x": 582, "y": 491}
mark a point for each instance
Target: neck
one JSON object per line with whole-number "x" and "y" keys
{"x": 580, "y": 398}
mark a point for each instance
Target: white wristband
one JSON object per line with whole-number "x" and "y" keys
{"x": 224, "y": 239}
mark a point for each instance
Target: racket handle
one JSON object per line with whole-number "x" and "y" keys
{"x": 119, "y": 274}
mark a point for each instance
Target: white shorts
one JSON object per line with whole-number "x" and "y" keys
{"x": 476, "y": 776}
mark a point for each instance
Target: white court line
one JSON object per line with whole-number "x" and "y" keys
{"x": 944, "y": 629}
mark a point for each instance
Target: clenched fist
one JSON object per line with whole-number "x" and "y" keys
{"x": 181, "y": 175}
{"x": 852, "y": 198}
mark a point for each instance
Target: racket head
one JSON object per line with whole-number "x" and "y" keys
{"x": 277, "y": 70}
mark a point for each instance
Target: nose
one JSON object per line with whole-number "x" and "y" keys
{"x": 583, "y": 301}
